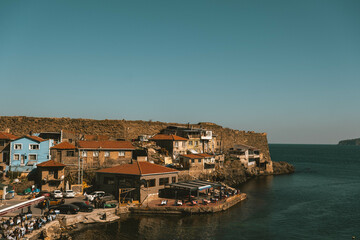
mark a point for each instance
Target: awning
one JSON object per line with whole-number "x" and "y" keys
{"x": 194, "y": 185}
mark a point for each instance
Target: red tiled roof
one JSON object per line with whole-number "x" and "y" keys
{"x": 64, "y": 145}
{"x": 168, "y": 137}
{"x": 138, "y": 168}
{"x": 35, "y": 138}
{"x": 199, "y": 155}
{"x": 106, "y": 145}
{"x": 51, "y": 163}
{"x": 7, "y": 136}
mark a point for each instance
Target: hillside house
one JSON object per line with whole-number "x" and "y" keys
{"x": 65, "y": 153}
{"x": 5, "y": 139}
{"x": 247, "y": 155}
{"x": 50, "y": 175}
{"x": 199, "y": 140}
{"x": 201, "y": 162}
{"x": 175, "y": 145}
{"x": 28, "y": 151}
{"x": 96, "y": 154}
{"x": 137, "y": 180}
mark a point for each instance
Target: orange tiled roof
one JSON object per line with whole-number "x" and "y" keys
{"x": 138, "y": 168}
{"x": 7, "y": 136}
{"x": 168, "y": 137}
{"x": 51, "y": 163}
{"x": 106, "y": 145}
{"x": 64, "y": 145}
{"x": 195, "y": 156}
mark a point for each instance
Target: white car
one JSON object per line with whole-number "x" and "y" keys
{"x": 57, "y": 194}
{"x": 93, "y": 195}
{"x": 69, "y": 194}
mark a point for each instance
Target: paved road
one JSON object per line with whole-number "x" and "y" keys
{"x": 35, "y": 210}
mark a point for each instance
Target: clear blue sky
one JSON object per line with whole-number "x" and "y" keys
{"x": 288, "y": 68}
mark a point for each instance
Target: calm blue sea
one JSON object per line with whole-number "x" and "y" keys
{"x": 320, "y": 201}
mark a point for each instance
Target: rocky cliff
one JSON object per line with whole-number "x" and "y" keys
{"x": 127, "y": 129}
{"x": 352, "y": 142}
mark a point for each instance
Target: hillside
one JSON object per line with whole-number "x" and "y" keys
{"x": 352, "y": 142}
{"x": 126, "y": 129}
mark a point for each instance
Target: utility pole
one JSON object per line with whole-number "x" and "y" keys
{"x": 79, "y": 168}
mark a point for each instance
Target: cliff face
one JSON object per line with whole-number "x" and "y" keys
{"x": 127, "y": 129}
{"x": 352, "y": 142}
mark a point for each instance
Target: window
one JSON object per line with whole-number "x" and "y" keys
{"x": 109, "y": 180}
{"x": 2, "y": 142}
{"x": 32, "y": 157}
{"x": 107, "y": 154}
{"x": 176, "y": 143}
{"x": 150, "y": 183}
{"x": 95, "y": 154}
{"x": 199, "y": 160}
{"x": 173, "y": 180}
{"x": 84, "y": 154}
{"x": 184, "y": 144}
{"x": 190, "y": 143}
{"x": 121, "y": 153}
{"x": 196, "y": 143}
{"x": 163, "y": 181}
{"x": 17, "y": 146}
{"x": 17, "y": 157}
{"x": 192, "y": 160}
{"x": 34, "y": 146}
{"x": 70, "y": 153}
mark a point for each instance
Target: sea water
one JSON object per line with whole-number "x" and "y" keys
{"x": 321, "y": 200}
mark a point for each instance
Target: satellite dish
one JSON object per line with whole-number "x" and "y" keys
{"x": 62, "y": 177}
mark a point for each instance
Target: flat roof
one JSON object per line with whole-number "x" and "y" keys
{"x": 194, "y": 185}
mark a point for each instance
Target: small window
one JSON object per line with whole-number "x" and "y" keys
{"x": 2, "y": 142}
{"x": 190, "y": 143}
{"x": 150, "y": 183}
{"x": 184, "y": 144}
{"x": 163, "y": 181}
{"x": 192, "y": 160}
{"x": 17, "y": 146}
{"x": 70, "y": 153}
{"x": 84, "y": 154}
{"x": 109, "y": 180}
{"x": 121, "y": 153}
{"x": 107, "y": 154}
{"x": 34, "y": 146}
{"x": 176, "y": 143}
{"x": 95, "y": 154}
{"x": 199, "y": 160}
{"x": 173, "y": 180}
{"x": 196, "y": 143}
{"x": 32, "y": 157}
{"x": 16, "y": 157}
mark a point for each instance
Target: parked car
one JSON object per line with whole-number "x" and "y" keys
{"x": 66, "y": 208}
{"x": 107, "y": 197}
{"x": 83, "y": 206}
{"x": 43, "y": 193}
{"x": 69, "y": 194}
{"x": 51, "y": 202}
{"x": 93, "y": 195}
{"x": 57, "y": 194}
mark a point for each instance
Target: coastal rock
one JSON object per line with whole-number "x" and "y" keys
{"x": 283, "y": 168}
